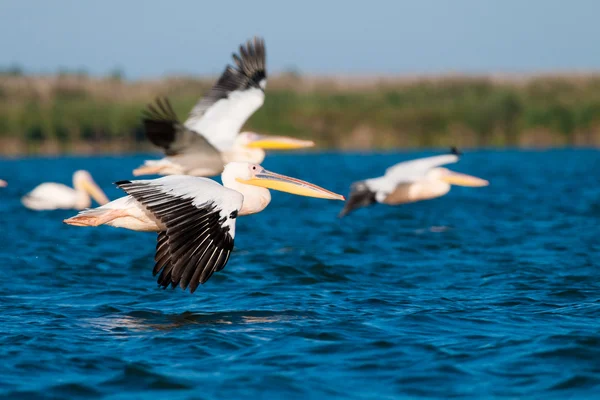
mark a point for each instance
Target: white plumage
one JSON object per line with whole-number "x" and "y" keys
{"x": 410, "y": 181}
{"x": 222, "y": 121}
{"x": 407, "y": 172}
{"x": 417, "y": 169}
{"x": 53, "y": 196}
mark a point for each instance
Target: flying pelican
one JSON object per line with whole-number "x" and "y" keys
{"x": 3, "y": 183}
{"x": 211, "y": 136}
{"x": 410, "y": 181}
{"x": 52, "y": 196}
{"x": 194, "y": 217}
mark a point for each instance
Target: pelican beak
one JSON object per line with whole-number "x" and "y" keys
{"x": 267, "y": 142}
{"x": 456, "y": 178}
{"x": 271, "y": 180}
{"x": 95, "y": 191}
{"x": 3, "y": 183}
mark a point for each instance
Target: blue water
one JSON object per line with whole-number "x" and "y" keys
{"x": 486, "y": 292}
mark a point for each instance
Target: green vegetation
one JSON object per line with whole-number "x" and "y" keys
{"x": 71, "y": 112}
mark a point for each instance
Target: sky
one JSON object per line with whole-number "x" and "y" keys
{"x": 150, "y": 39}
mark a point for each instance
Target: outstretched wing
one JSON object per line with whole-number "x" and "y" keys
{"x": 415, "y": 169}
{"x": 199, "y": 216}
{"x": 164, "y": 130}
{"x": 239, "y": 92}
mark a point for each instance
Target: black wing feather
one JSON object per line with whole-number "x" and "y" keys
{"x": 190, "y": 250}
{"x": 163, "y": 255}
{"x": 164, "y": 130}
{"x": 248, "y": 72}
{"x": 163, "y": 260}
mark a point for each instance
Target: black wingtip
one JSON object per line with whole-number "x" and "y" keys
{"x": 454, "y": 150}
{"x": 251, "y": 59}
{"x": 121, "y": 183}
{"x": 159, "y": 110}
{"x": 360, "y": 196}
{"x": 160, "y": 123}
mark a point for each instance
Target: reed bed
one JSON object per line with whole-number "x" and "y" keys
{"x": 74, "y": 113}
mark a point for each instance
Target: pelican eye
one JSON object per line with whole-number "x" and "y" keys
{"x": 233, "y": 214}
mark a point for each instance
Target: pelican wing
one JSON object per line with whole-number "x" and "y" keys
{"x": 408, "y": 171}
{"x": 239, "y": 92}
{"x": 199, "y": 219}
{"x": 164, "y": 130}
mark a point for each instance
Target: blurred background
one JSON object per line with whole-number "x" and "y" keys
{"x": 484, "y": 293}
{"x": 74, "y": 76}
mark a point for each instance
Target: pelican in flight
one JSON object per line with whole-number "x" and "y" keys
{"x": 210, "y": 137}
{"x": 410, "y": 181}
{"x": 194, "y": 217}
{"x": 53, "y": 196}
{"x": 3, "y": 183}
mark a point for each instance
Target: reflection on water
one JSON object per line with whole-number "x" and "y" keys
{"x": 433, "y": 229}
{"x": 148, "y": 320}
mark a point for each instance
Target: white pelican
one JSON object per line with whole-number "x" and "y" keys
{"x": 211, "y": 136}
{"x": 52, "y": 196}
{"x": 3, "y": 183}
{"x": 194, "y": 217}
{"x": 410, "y": 181}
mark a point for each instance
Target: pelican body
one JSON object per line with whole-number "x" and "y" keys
{"x": 210, "y": 137}
{"x": 53, "y": 196}
{"x": 410, "y": 181}
{"x": 194, "y": 216}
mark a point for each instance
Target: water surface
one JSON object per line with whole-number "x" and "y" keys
{"x": 486, "y": 292}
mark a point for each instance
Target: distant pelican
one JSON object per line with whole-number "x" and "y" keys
{"x": 194, "y": 217}
{"x": 52, "y": 196}
{"x": 3, "y": 183}
{"x": 410, "y": 181}
{"x": 211, "y": 136}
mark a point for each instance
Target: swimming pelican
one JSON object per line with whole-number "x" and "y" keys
{"x": 52, "y": 196}
{"x": 211, "y": 136}
{"x": 410, "y": 181}
{"x": 3, "y": 183}
{"x": 194, "y": 217}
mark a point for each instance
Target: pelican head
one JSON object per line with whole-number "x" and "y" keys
{"x": 83, "y": 182}
{"x": 455, "y": 178}
{"x": 253, "y": 181}
{"x": 360, "y": 196}
{"x": 256, "y": 175}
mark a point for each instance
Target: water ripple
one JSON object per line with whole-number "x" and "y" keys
{"x": 486, "y": 293}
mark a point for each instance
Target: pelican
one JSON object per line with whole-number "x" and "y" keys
{"x": 194, "y": 216}
{"x": 210, "y": 137}
{"x": 53, "y": 196}
{"x": 3, "y": 183}
{"x": 410, "y": 181}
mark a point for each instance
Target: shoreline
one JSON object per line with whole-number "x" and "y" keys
{"x": 316, "y": 152}
{"x": 77, "y": 114}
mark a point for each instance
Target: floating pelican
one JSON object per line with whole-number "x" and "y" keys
{"x": 410, "y": 181}
{"x": 194, "y": 217}
{"x": 210, "y": 137}
{"x": 52, "y": 196}
{"x": 3, "y": 183}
